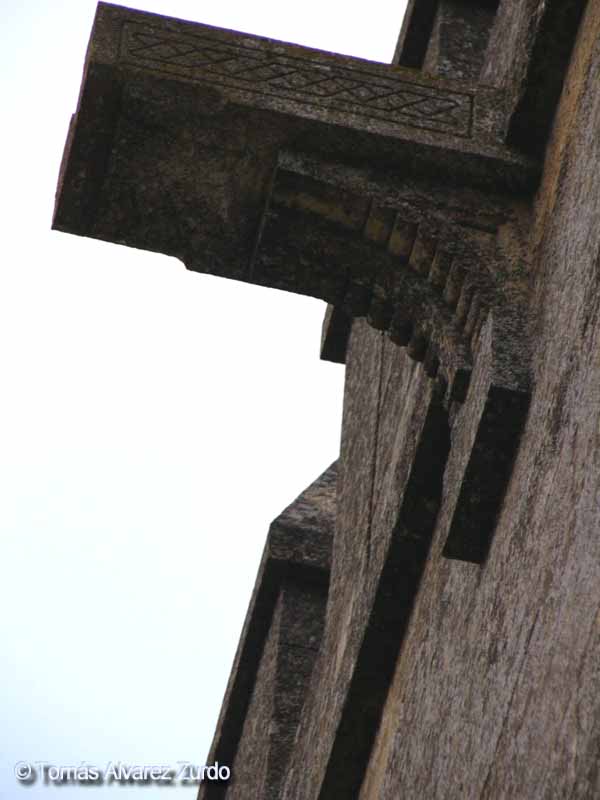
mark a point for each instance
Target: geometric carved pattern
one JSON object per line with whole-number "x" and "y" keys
{"x": 210, "y": 59}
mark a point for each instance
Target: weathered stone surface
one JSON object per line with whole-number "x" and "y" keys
{"x": 446, "y": 37}
{"x": 261, "y": 161}
{"x": 458, "y": 39}
{"x": 179, "y": 125}
{"x": 335, "y": 334}
{"x": 278, "y": 693}
{"x": 415, "y": 33}
{"x": 485, "y": 438}
{"x": 528, "y": 53}
{"x": 251, "y": 761}
{"x": 394, "y": 448}
{"x": 277, "y": 647}
{"x": 460, "y": 641}
{"x": 496, "y": 691}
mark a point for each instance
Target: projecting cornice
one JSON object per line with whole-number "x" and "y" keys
{"x": 241, "y": 156}
{"x": 224, "y": 106}
{"x": 388, "y": 193}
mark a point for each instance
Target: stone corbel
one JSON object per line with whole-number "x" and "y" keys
{"x": 458, "y": 304}
{"x": 377, "y": 189}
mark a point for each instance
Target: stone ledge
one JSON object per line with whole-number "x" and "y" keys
{"x": 298, "y": 549}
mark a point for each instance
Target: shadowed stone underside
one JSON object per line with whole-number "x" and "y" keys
{"x": 303, "y": 171}
{"x": 384, "y": 667}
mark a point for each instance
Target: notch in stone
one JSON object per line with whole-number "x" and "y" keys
{"x": 335, "y": 335}
{"x": 500, "y": 400}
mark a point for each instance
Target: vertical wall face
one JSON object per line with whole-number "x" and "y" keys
{"x": 277, "y": 650}
{"x": 496, "y": 692}
{"x": 434, "y": 678}
{"x": 438, "y": 678}
{"x": 251, "y": 765}
{"x": 459, "y": 39}
{"x": 527, "y": 56}
{"x": 446, "y": 37}
{"x": 281, "y": 683}
{"x": 348, "y": 601}
{"x": 394, "y": 447}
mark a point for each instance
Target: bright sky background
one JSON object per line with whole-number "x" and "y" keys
{"x": 152, "y": 423}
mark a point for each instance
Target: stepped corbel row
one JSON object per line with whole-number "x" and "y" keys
{"x": 429, "y": 295}
{"x": 451, "y": 294}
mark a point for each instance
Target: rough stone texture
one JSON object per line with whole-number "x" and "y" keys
{"x": 250, "y": 767}
{"x": 297, "y": 170}
{"x": 277, "y": 647}
{"x": 496, "y": 692}
{"x": 332, "y": 672}
{"x": 486, "y": 435}
{"x": 394, "y": 448}
{"x": 415, "y": 33}
{"x": 528, "y": 53}
{"x": 179, "y": 121}
{"x": 458, "y": 39}
{"x": 459, "y": 27}
{"x": 461, "y": 631}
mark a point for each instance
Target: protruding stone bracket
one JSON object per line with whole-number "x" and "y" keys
{"x": 446, "y": 37}
{"x": 377, "y": 189}
{"x": 335, "y": 335}
{"x": 531, "y": 69}
{"x": 302, "y": 252}
{"x": 418, "y": 198}
{"x": 179, "y": 127}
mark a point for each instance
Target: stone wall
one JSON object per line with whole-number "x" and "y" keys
{"x": 437, "y": 677}
{"x": 426, "y": 618}
{"x": 496, "y": 690}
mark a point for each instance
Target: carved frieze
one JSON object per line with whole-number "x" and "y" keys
{"x": 287, "y": 73}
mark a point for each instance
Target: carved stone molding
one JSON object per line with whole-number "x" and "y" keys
{"x": 378, "y": 189}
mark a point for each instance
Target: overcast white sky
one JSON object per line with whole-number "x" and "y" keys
{"x": 152, "y": 423}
